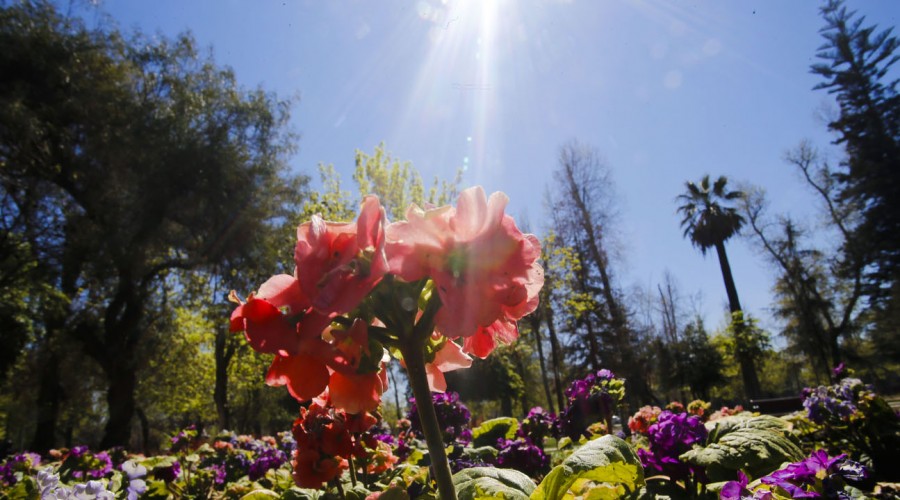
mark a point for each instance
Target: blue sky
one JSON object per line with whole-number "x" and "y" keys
{"x": 666, "y": 91}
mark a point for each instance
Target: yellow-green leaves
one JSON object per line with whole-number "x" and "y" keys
{"x": 603, "y": 468}
{"x": 488, "y": 482}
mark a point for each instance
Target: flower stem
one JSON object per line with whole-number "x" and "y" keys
{"x": 414, "y": 357}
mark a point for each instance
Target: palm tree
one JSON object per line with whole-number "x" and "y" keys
{"x": 709, "y": 220}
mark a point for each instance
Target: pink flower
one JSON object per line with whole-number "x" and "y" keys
{"x": 450, "y": 357}
{"x": 338, "y": 264}
{"x": 484, "y": 268}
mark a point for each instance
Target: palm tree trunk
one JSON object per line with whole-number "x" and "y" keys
{"x": 734, "y": 304}
{"x": 748, "y": 368}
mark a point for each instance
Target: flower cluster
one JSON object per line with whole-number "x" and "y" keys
{"x": 460, "y": 276}
{"x": 641, "y": 421}
{"x": 452, "y": 415}
{"x": 185, "y": 438}
{"x": 591, "y": 400}
{"x": 326, "y": 439}
{"x": 838, "y": 402}
{"x": 537, "y": 425}
{"x": 672, "y": 435}
{"x": 51, "y": 489}
{"x": 699, "y": 408}
{"x": 815, "y": 476}
{"x": 725, "y": 412}
{"x": 81, "y": 463}
{"x": 134, "y": 475}
{"x": 22, "y": 463}
{"x": 523, "y": 455}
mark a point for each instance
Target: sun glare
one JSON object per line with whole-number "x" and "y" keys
{"x": 453, "y": 95}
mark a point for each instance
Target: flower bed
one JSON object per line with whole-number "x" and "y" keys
{"x": 680, "y": 452}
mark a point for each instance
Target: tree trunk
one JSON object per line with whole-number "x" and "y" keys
{"x": 223, "y": 357}
{"x": 120, "y": 399}
{"x": 48, "y": 400}
{"x": 145, "y": 431}
{"x": 555, "y": 352}
{"x": 734, "y": 304}
{"x": 535, "y": 321}
{"x": 748, "y": 368}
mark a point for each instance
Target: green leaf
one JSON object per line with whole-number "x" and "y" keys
{"x": 297, "y": 493}
{"x": 394, "y": 493}
{"x": 485, "y": 453}
{"x": 491, "y": 430}
{"x": 260, "y": 495}
{"x": 488, "y": 482}
{"x": 25, "y": 488}
{"x": 756, "y": 445}
{"x": 604, "y": 460}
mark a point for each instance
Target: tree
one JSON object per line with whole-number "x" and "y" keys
{"x": 139, "y": 158}
{"x": 582, "y": 209}
{"x": 709, "y": 220}
{"x": 856, "y": 69}
{"x": 819, "y": 288}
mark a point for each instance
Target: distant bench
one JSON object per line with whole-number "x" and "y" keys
{"x": 777, "y": 406}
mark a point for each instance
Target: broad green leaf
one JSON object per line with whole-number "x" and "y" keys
{"x": 756, "y": 445}
{"x": 394, "y": 493}
{"x": 491, "y": 430}
{"x": 260, "y": 495}
{"x": 488, "y": 482}
{"x": 296, "y": 493}
{"x": 604, "y": 460}
{"x": 485, "y": 453}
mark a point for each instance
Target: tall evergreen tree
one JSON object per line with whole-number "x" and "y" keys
{"x": 856, "y": 68}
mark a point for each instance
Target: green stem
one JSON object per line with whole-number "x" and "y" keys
{"x": 352, "y": 470}
{"x": 414, "y": 357}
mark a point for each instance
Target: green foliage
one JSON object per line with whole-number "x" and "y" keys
{"x": 750, "y": 341}
{"x": 489, "y": 482}
{"x": 125, "y": 160}
{"x": 490, "y": 431}
{"x": 755, "y": 445}
{"x": 709, "y": 219}
{"x": 606, "y": 464}
{"x": 331, "y": 202}
{"x": 856, "y": 67}
{"x": 396, "y": 183}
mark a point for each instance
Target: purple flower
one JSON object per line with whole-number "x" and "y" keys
{"x": 737, "y": 490}
{"x": 839, "y": 371}
{"x": 218, "y": 471}
{"x": 591, "y": 400}
{"x": 522, "y": 455}
{"x": 452, "y": 415}
{"x": 22, "y": 462}
{"x": 269, "y": 458}
{"x": 102, "y": 465}
{"x": 78, "y": 451}
{"x": 168, "y": 474}
{"x": 537, "y": 425}
{"x": 672, "y": 435}
{"x": 816, "y": 475}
